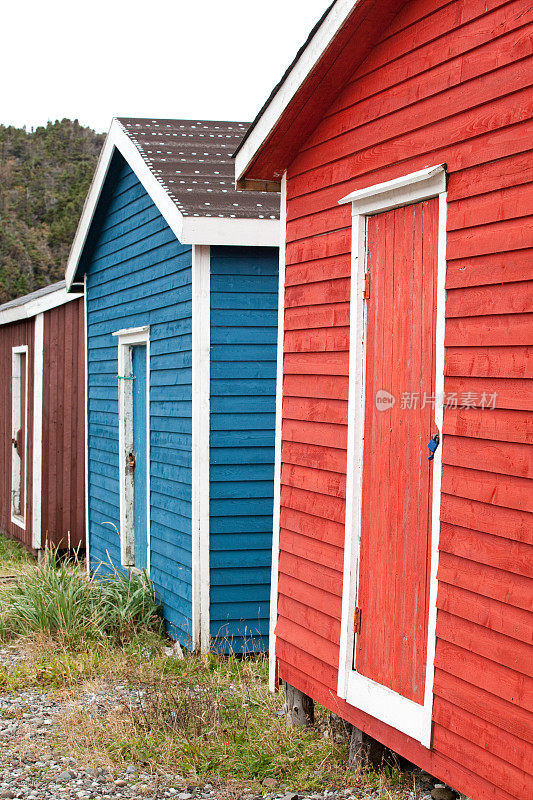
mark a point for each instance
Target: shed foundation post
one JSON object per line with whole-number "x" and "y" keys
{"x": 365, "y": 751}
{"x": 300, "y": 708}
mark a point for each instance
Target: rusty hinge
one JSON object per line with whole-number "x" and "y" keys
{"x": 357, "y": 620}
{"x": 366, "y": 290}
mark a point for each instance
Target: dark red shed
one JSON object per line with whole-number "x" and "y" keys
{"x": 42, "y": 386}
{"x": 402, "y": 591}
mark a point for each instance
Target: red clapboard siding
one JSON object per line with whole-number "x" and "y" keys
{"x": 312, "y": 596}
{"x": 309, "y": 618}
{"x": 486, "y": 580}
{"x": 485, "y": 734}
{"x": 306, "y": 547}
{"x": 12, "y": 335}
{"x": 509, "y": 298}
{"x": 490, "y": 330}
{"x": 503, "y": 773}
{"x": 449, "y": 81}
{"x": 495, "y": 551}
{"x": 313, "y": 527}
{"x": 492, "y": 614}
{"x": 492, "y": 268}
{"x": 507, "y": 458}
{"x": 315, "y": 364}
{"x": 490, "y": 362}
{"x": 498, "y": 425}
{"x": 315, "y": 433}
{"x": 484, "y": 705}
{"x": 314, "y": 456}
{"x": 506, "y": 683}
{"x": 490, "y": 644}
{"x": 489, "y": 487}
{"x": 506, "y": 522}
{"x": 63, "y": 518}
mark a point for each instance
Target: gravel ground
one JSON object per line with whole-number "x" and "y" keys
{"x": 31, "y": 768}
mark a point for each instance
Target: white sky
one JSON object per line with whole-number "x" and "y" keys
{"x": 205, "y": 59}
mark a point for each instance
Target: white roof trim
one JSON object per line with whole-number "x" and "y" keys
{"x": 431, "y": 181}
{"x": 188, "y": 230}
{"x": 226, "y": 231}
{"x": 292, "y": 84}
{"x": 37, "y": 305}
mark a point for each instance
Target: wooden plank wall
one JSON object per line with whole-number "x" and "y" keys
{"x": 63, "y": 461}
{"x": 449, "y": 82}
{"x": 244, "y": 325}
{"x": 139, "y": 274}
{"x": 15, "y": 335}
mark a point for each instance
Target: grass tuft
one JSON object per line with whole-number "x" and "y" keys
{"x": 56, "y": 598}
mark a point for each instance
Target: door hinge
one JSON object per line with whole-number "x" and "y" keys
{"x": 357, "y": 620}
{"x": 366, "y": 290}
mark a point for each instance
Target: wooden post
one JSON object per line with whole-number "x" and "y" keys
{"x": 300, "y": 708}
{"x": 365, "y": 751}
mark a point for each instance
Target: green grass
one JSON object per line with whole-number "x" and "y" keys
{"x": 12, "y": 556}
{"x": 57, "y": 598}
{"x": 207, "y": 718}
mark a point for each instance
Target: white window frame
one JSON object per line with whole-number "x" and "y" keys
{"x": 127, "y": 339}
{"x": 379, "y": 701}
{"x": 17, "y": 475}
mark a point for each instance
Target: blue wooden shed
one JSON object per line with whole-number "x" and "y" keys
{"x": 180, "y": 274}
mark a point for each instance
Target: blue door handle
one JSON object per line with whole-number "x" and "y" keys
{"x": 432, "y": 446}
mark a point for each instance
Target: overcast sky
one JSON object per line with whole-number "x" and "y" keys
{"x": 205, "y": 59}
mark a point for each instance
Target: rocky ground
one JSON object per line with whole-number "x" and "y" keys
{"x": 31, "y": 765}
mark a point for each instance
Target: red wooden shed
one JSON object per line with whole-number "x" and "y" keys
{"x": 402, "y": 590}
{"x": 42, "y": 391}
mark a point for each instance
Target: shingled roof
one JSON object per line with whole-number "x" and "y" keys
{"x": 186, "y": 167}
{"x": 192, "y": 160}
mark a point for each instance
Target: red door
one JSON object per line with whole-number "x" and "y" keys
{"x": 394, "y": 562}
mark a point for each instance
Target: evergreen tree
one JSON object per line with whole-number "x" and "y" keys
{"x": 45, "y": 175}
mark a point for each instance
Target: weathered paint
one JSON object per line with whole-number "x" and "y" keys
{"x": 140, "y": 425}
{"x": 63, "y": 427}
{"x": 445, "y": 83}
{"x": 139, "y": 274}
{"x": 393, "y": 583}
{"x": 244, "y": 292}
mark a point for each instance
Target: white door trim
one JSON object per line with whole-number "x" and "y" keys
{"x": 277, "y": 452}
{"x": 16, "y": 474}
{"x": 379, "y": 701}
{"x": 37, "y": 490}
{"x": 127, "y": 338}
{"x": 201, "y": 392}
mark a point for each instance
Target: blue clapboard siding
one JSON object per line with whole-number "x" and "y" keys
{"x": 244, "y": 297}
{"x": 139, "y": 274}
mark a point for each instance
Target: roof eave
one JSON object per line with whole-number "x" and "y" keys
{"x": 36, "y": 306}
{"x": 272, "y": 112}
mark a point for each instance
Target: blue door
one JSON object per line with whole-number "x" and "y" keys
{"x": 140, "y": 427}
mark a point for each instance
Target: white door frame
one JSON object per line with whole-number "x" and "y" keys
{"x": 127, "y": 339}
{"x": 18, "y": 476}
{"x": 365, "y": 694}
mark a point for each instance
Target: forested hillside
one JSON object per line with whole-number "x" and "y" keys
{"x": 44, "y": 178}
